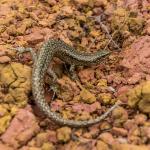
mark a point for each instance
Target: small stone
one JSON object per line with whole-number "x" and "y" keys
{"x": 5, "y": 147}
{"x": 23, "y": 127}
{"x": 140, "y": 119}
{"x": 67, "y": 10}
{"x": 101, "y": 3}
{"x": 105, "y": 98}
{"x": 94, "y": 33}
{"x": 136, "y": 24}
{"x": 82, "y": 2}
{"x": 119, "y": 131}
{"x": 84, "y": 116}
{"x": 51, "y": 2}
{"x": 107, "y": 138}
{"x": 101, "y": 145}
{"x": 5, "y": 118}
{"x": 48, "y": 146}
{"x": 102, "y": 84}
{"x": 120, "y": 116}
{"x": 34, "y": 38}
{"x": 144, "y": 103}
{"x": 64, "y": 134}
{"x": 87, "y": 96}
{"x": 41, "y": 138}
{"x": 129, "y": 147}
{"x": 145, "y": 132}
{"x": 7, "y": 75}
{"x": 135, "y": 78}
{"x": 34, "y": 148}
{"x": 105, "y": 125}
{"x": 4, "y": 59}
{"x": 148, "y": 30}
{"x": 129, "y": 124}
{"x": 21, "y": 30}
{"x": 87, "y": 75}
{"x": 12, "y": 30}
{"x": 134, "y": 96}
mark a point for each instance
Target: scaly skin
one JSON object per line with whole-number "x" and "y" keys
{"x": 57, "y": 48}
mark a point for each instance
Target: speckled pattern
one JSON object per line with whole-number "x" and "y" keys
{"x": 57, "y": 48}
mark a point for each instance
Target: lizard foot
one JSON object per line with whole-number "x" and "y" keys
{"x": 73, "y": 73}
{"x": 55, "y": 89}
{"x": 22, "y": 50}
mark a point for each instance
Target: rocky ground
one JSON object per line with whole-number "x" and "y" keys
{"x": 87, "y": 25}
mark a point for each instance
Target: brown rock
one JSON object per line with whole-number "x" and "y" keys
{"x": 145, "y": 131}
{"x": 81, "y": 2}
{"x": 129, "y": 124}
{"x": 135, "y": 78}
{"x": 4, "y": 59}
{"x": 87, "y": 75}
{"x": 5, "y": 147}
{"x": 101, "y": 145}
{"x": 48, "y": 146}
{"x": 22, "y": 128}
{"x": 139, "y": 96}
{"x": 87, "y": 96}
{"x": 5, "y": 118}
{"x": 41, "y": 138}
{"x": 34, "y": 148}
{"x": 144, "y": 103}
{"x": 51, "y": 2}
{"x": 34, "y": 38}
{"x": 7, "y": 75}
{"x": 107, "y": 138}
{"x": 102, "y": 3}
{"x": 134, "y": 96}
{"x": 140, "y": 50}
{"x": 105, "y": 125}
{"x": 64, "y": 134}
{"x": 119, "y": 131}
{"x": 18, "y": 77}
{"x": 69, "y": 87}
{"x": 105, "y": 98}
{"x": 140, "y": 119}
{"x": 119, "y": 115}
{"x": 129, "y": 147}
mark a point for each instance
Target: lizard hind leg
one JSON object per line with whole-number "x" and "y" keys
{"x": 52, "y": 82}
{"x": 73, "y": 73}
{"x": 54, "y": 88}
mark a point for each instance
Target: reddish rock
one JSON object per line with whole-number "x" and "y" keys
{"x": 135, "y": 78}
{"x": 123, "y": 90}
{"x": 86, "y": 107}
{"x": 119, "y": 116}
{"x": 132, "y": 4}
{"x": 34, "y": 37}
{"x": 87, "y": 75}
{"x": 137, "y": 59}
{"x": 140, "y": 119}
{"x": 107, "y": 138}
{"x": 145, "y": 131}
{"x": 119, "y": 131}
{"x": 129, "y": 147}
{"x": 22, "y": 128}
{"x": 5, "y": 147}
{"x": 64, "y": 134}
{"x": 4, "y": 59}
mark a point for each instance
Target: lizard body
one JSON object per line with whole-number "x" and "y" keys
{"x": 57, "y": 48}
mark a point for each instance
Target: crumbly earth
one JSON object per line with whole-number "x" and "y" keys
{"x": 124, "y": 75}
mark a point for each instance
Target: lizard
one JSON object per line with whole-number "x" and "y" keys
{"x": 58, "y": 48}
